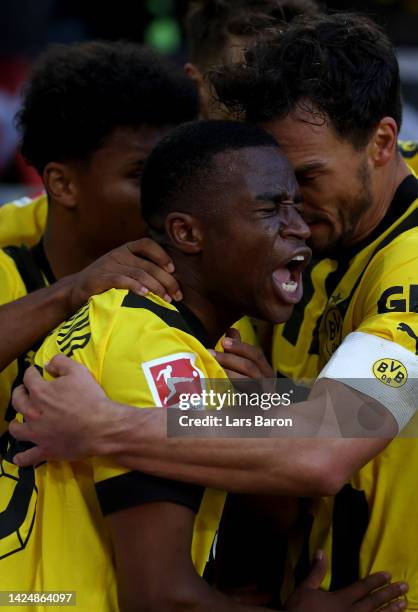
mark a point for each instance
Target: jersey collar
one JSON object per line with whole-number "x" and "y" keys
{"x": 195, "y": 324}
{"x": 405, "y": 195}
{"x": 38, "y": 253}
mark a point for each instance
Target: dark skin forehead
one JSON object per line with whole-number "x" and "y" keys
{"x": 257, "y": 173}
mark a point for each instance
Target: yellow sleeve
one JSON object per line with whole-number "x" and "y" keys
{"x": 23, "y": 221}
{"x": 11, "y": 284}
{"x": 140, "y": 358}
{"x": 133, "y": 355}
{"x": 389, "y": 307}
{"x": 130, "y": 352}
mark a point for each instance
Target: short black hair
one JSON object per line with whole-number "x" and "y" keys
{"x": 342, "y": 68}
{"x": 210, "y": 23}
{"x": 78, "y": 94}
{"x": 182, "y": 164}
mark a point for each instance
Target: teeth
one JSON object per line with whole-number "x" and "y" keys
{"x": 298, "y": 258}
{"x": 290, "y": 286}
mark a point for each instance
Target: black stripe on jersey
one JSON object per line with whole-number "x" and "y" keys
{"x": 182, "y": 318}
{"x": 405, "y": 195}
{"x": 349, "y": 523}
{"x": 292, "y": 327}
{"x": 42, "y": 262}
{"x": 29, "y": 271}
{"x": 410, "y": 222}
{"x": 134, "y": 489}
{"x": 331, "y": 283}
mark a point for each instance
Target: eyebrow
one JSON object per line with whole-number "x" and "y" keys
{"x": 277, "y": 198}
{"x": 304, "y": 168}
{"x": 134, "y": 163}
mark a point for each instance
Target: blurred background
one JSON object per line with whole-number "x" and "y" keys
{"x": 27, "y": 26}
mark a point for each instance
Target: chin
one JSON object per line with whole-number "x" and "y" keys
{"x": 281, "y": 313}
{"x": 322, "y": 245}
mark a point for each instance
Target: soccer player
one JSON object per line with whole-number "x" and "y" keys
{"x": 218, "y": 31}
{"x": 360, "y": 202}
{"x": 208, "y": 186}
{"x": 91, "y": 114}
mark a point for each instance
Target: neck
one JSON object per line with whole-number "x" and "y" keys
{"x": 387, "y": 189}
{"x": 216, "y": 316}
{"x": 63, "y": 248}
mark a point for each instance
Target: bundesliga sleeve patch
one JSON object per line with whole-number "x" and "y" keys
{"x": 379, "y": 368}
{"x": 171, "y": 376}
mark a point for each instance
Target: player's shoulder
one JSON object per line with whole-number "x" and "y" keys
{"x": 12, "y": 286}
{"x": 22, "y": 221}
{"x": 149, "y": 315}
{"x": 124, "y": 304}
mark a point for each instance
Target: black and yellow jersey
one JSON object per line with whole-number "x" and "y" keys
{"x": 133, "y": 346}
{"x": 23, "y": 221}
{"x": 369, "y": 331}
{"x": 409, "y": 151}
{"x": 295, "y": 344}
{"x": 22, "y": 270}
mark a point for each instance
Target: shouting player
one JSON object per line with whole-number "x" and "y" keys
{"x": 207, "y": 187}
{"x": 339, "y": 130}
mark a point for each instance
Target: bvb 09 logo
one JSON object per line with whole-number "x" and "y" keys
{"x": 18, "y": 495}
{"x": 391, "y": 372}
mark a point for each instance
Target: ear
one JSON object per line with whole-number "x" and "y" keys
{"x": 384, "y": 142}
{"x": 60, "y": 184}
{"x": 198, "y": 79}
{"x": 193, "y": 73}
{"x": 185, "y": 232}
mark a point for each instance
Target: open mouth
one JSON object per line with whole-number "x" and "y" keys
{"x": 287, "y": 279}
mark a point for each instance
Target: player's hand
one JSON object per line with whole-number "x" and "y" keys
{"x": 61, "y": 416}
{"x": 139, "y": 266}
{"x": 371, "y": 593}
{"x": 242, "y": 360}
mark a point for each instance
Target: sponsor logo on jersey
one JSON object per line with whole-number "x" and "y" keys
{"x": 169, "y": 377}
{"x": 408, "y": 330}
{"x": 332, "y": 330}
{"x": 390, "y": 371}
{"x": 398, "y": 299}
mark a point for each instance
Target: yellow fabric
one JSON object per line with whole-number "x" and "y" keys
{"x": 295, "y": 343}
{"x": 293, "y": 353}
{"x": 69, "y": 546}
{"x": 381, "y": 292}
{"x": 11, "y": 288}
{"x": 23, "y": 221}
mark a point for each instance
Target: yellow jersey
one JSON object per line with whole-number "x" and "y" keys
{"x": 22, "y": 270}
{"x": 132, "y": 345}
{"x": 295, "y": 344}
{"x": 369, "y": 331}
{"x": 23, "y": 221}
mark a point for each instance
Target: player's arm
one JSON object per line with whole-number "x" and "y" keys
{"x": 74, "y": 411}
{"x": 25, "y": 321}
{"x": 152, "y": 554}
{"x": 155, "y": 572}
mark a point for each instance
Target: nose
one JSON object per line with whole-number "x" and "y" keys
{"x": 293, "y": 226}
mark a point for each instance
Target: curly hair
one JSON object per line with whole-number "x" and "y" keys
{"x": 210, "y": 23}
{"x": 78, "y": 94}
{"x": 341, "y": 69}
{"x": 181, "y": 165}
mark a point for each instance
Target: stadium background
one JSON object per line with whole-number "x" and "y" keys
{"x": 28, "y": 26}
